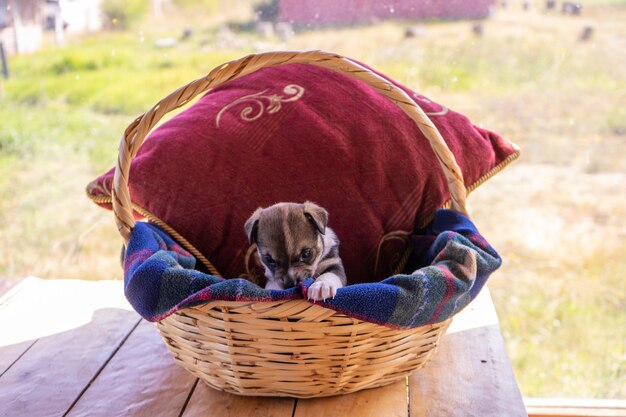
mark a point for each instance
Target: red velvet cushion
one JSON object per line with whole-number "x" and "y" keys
{"x": 295, "y": 133}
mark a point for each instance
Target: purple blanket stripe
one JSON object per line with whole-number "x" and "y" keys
{"x": 450, "y": 264}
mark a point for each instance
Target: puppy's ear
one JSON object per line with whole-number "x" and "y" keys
{"x": 252, "y": 225}
{"x": 316, "y": 215}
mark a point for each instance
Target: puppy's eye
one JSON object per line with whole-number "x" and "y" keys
{"x": 305, "y": 255}
{"x": 269, "y": 260}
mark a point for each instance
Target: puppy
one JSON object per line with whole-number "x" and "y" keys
{"x": 294, "y": 243}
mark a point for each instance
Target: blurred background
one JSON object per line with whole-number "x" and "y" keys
{"x": 547, "y": 75}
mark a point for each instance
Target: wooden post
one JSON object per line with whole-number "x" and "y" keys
{"x": 157, "y": 8}
{"x": 59, "y": 30}
{"x": 4, "y": 62}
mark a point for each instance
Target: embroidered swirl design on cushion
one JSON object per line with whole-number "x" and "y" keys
{"x": 261, "y": 102}
{"x": 390, "y": 256}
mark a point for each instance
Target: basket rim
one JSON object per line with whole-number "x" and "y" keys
{"x": 210, "y": 305}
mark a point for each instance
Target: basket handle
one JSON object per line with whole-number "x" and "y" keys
{"x": 138, "y": 130}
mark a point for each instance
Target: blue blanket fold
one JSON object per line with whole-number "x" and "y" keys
{"x": 451, "y": 263}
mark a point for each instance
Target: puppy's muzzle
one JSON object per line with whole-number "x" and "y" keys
{"x": 294, "y": 276}
{"x": 299, "y": 274}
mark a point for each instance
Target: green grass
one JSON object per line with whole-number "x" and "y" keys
{"x": 616, "y": 121}
{"x": 97, "y": 73}
{"x": 66, "y": 109}
{"x": 48, "y": 154}
{"x": 528, "y": 78}
{"x": 547, "y": 319}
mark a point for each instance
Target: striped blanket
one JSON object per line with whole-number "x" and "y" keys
{"x": 449, "y": 266}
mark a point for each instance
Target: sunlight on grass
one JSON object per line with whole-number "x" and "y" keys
{"x": 553, "y": 311}
{"x": 99, "y": 78}
{"x": 48, "y": 160}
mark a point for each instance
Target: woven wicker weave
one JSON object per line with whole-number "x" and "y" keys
{"x": 292, "y": 348}
{"x": 289, "y": 348}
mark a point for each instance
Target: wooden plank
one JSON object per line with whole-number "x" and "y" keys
{"x": 140, "y": 380}
{"x": 206, "y": 401}
{"x": 11, "y": 349}
{"x": 9, "y": 355}
{"x": 471, "y": 374}
{"x": 388, "y": 401}
{"x": 550, "y": 407}
{"x": 77, "y": 325}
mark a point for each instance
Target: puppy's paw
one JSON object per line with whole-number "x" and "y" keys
{"x": 322, "y": 290}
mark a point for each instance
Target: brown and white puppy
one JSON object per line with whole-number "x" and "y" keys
{"x": 294, "y": 243}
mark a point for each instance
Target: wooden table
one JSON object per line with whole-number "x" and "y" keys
{"x": 76, "y": 348}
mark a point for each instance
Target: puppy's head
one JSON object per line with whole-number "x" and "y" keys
{"x": 289, "y": 238}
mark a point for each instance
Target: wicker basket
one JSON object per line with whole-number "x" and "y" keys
{"x": 288, "y": 348}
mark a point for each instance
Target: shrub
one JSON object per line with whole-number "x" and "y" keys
{"x": 267, "y": 11}
{"x": 209, "y": 6}
{"x": 120, "y": 14}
